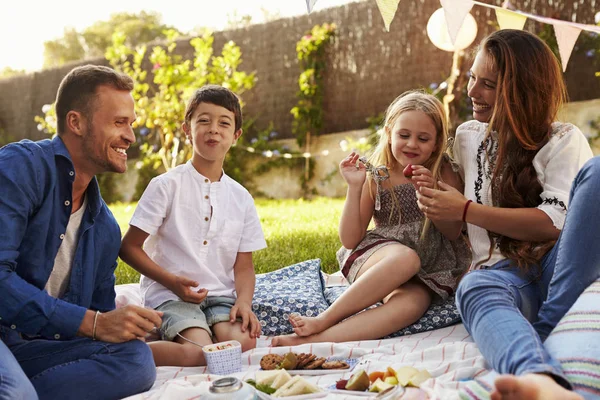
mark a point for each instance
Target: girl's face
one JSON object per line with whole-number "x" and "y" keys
{"x": 413, "y": 138}
{"x": 482, "y": 86}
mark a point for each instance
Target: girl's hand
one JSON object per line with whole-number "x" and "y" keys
{"x": 444, "y": 204}
{"x": 353, "y": 171}
{"x": 421, "y": 177}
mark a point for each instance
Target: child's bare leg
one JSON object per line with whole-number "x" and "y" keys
{"x": 224, "y": 331}
{"x": 180, "y": 352}
{"x": 387, "y": 269}
{"x": 402, "y": 307}
{"x": 530, "y": 387}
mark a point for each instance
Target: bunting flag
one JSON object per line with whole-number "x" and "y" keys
{"x": 455, "y": 11}
{"x": 387, "y": 8}
{"x": 310, "y": 4}
{"x": 509, "y": 19}
{"x": 566, "y": 36}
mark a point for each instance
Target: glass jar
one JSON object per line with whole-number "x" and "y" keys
{"x": 231, "y": 388}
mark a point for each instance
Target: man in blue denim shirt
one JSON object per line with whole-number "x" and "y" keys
{"x": 59, "y": 244}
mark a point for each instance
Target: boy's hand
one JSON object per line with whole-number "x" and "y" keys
{"x": 184, "y": 288}
{"x": 249, "y": 320}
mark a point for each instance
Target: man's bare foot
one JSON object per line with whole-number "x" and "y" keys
{"x": 306, "y": 326}
{"x": 288, "y": 340}
{"x": 530, "y": 387}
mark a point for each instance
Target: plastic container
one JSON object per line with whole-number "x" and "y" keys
{"x": 223, "y": 358}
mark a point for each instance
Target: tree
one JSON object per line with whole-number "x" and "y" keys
{"x": 7, "y": 72}
{"x": 138, "y": 29}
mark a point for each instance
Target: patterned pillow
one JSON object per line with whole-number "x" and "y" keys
{"x": 438, "y": 316}
{"x": 294, "y": 289}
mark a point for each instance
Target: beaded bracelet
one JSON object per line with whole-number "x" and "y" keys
{"x": 95, "y": 320}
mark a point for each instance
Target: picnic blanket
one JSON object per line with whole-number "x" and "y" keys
{"x": 449, "y": 354}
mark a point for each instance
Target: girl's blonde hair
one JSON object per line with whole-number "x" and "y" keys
{"x": 413, "y": 100}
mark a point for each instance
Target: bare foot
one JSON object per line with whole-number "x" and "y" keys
{"x": 306, "y": 326}
{"x": 530, "y": 387}
{"x": 288, "y": 340}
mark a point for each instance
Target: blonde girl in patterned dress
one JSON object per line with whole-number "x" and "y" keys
{"x": 406, "y": 261}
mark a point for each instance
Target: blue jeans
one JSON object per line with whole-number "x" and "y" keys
{"x": 82, "y": 368}
{"x": 14, "y": 384}
{"x": 510, "y": 314}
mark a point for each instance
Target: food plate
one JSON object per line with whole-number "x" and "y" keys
{"x": 265, "y": 396}
{"x": 352, "y": 362}
{"x": 333, "y": 389}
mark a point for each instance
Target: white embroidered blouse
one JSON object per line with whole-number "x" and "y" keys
{"x": 556, "y": 164}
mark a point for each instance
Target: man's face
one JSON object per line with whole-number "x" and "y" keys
{"x": 212, "y": 132}
{"x": 108, "y": 132}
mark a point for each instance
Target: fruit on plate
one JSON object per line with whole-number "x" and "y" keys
{"x": 290, "y": 361}
{"x": 359, "y": 381}
{"x": 379, "y": 386}
{"x": 404, "y": 374}
{"x": 373, "y": 376}
{"x": 420, "y": 377}
{"x": 341, "y": 384}
{"x": 392, "y": 380}
{"x": 408, "y": 171}
{"x": 295, "y": 387}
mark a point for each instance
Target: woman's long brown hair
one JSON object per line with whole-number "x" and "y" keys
{"x": 530, "y": 94}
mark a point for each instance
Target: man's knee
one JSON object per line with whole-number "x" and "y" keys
{"x": 137, "y": 366}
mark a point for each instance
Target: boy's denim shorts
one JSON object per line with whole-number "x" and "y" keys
{"x": 179, "y": 315}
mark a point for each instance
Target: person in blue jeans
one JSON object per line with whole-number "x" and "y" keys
{"x": 58, "y": 249}
{"x": 14, "y": 384}
{"x": 531, "y": 260}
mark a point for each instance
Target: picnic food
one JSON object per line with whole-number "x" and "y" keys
{"x": 279, "y": 383}
{"x": 219, "y": 347}
{"x": 408, "y": 171}
{"x": 301, "y": 361}
{"x": 270, "y": 361}
{"x": 379, "y": 381}
{"x": 359, "y": 381}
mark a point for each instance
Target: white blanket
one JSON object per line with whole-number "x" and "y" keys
{"x": 448, "y": 354}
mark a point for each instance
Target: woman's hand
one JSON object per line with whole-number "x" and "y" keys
{"x": 422, "y": 177}
{"x": 443, "y": 204}
{"x": 353, "y": 171}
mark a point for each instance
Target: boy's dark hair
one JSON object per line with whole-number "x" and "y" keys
{"x": 77, "y": 90}
{"x": 219, "y": 96}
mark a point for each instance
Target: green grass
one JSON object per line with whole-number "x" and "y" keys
{"x": 295, "y": 230}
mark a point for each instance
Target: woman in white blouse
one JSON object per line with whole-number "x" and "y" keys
{"x": 530, "y": 261}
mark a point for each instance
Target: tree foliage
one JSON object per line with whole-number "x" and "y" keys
{"x": 138, "y": 29}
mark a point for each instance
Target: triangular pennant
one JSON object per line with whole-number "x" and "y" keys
{"x": 310, "y": 4}
{"x": 388, "y": 8}
{"x": 566, "y": 36}
{"x": 509, "y": 19}
{"x": 455, "y": 11}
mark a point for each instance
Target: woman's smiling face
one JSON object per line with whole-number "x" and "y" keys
{"x": 482, "y": 86}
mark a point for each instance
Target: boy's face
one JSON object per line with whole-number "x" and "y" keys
{"x": 212, "y": 132}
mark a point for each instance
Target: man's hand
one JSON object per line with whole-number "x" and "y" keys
{"x": 127, "y": 323}
{"x": 183, "y": 287}
{"x": 249, "y": 320}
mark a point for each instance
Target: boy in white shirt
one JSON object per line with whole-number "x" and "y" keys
{"x": 198, "y": 228}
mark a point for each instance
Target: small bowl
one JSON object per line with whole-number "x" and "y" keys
{"x": 223, "y": 358}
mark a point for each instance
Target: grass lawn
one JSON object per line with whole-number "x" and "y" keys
{"x": 295, "y": 230}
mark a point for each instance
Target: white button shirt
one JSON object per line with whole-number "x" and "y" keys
{"x": 196, "y": 229}
{"x": 556, "y": 165}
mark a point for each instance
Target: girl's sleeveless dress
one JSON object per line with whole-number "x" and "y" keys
{"x": 443, "y": 261}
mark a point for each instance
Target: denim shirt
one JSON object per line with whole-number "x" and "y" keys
{"x": 36, "y": 180}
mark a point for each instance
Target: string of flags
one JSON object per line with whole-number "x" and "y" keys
{"x": 507, "y": 16}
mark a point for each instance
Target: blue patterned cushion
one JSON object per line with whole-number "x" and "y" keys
{"x": 438, "y": 316}
{"x": 294, "y": 289}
